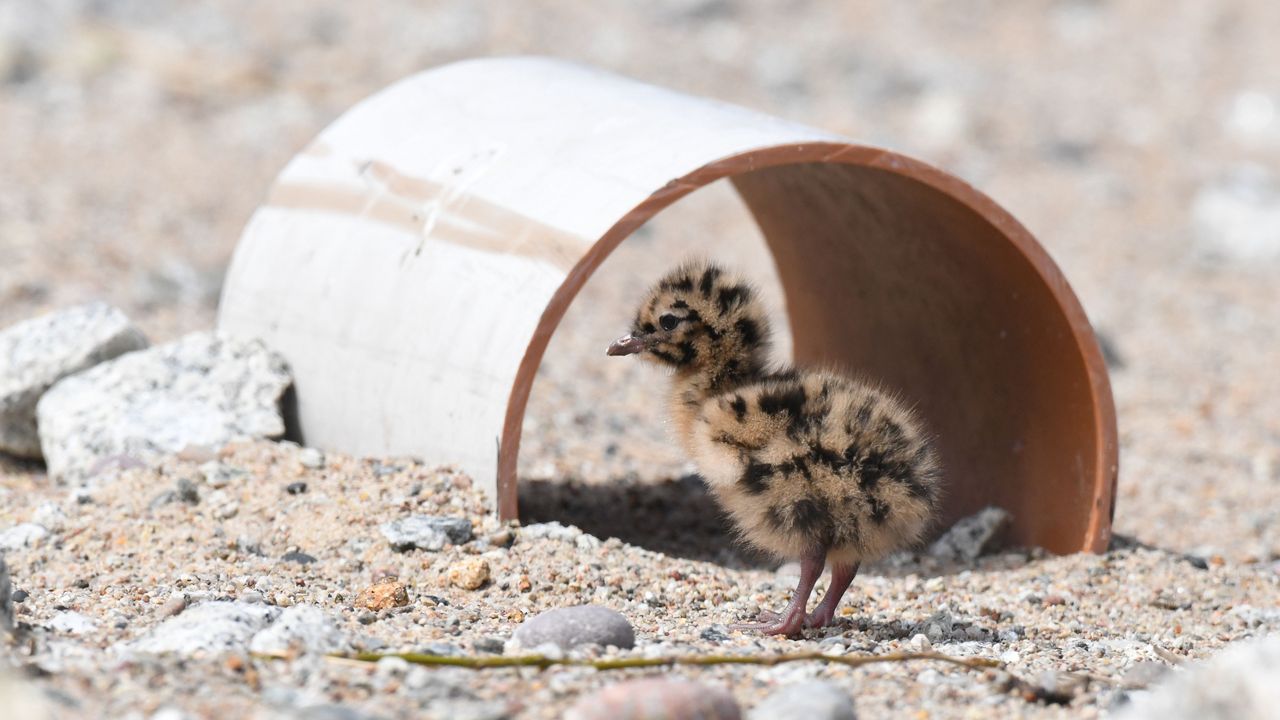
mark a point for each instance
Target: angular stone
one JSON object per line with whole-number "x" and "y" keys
{"x": 302, "y": 628}
{"x": 469, "y": 574}
{"x": 203, "y": 389}
{"x": 384, "y": 595}
{"x": 213, "y": 627}
{"x": 573, "y": 626}
{"x": 660, "y": 698}
{"x": 39, "y": 352}
{"x": 426, "y": 532}
{"x": 814, "y": 700}
{"x": 970, "y": 536}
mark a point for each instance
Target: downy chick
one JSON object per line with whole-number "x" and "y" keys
{"x": 809, "y": 464}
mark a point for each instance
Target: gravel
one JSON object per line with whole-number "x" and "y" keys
{"x": 37, "y": 353}
{"x": 970, "y": 536}
{"x": 201, "y": 390}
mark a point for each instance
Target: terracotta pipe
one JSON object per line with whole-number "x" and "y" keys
{"x": 413, "y": 262}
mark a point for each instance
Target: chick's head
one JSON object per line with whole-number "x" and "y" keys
{"x": 698, "y": 317}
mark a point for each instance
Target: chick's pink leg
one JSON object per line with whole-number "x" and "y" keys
{"x": 841, "y": 575}
{"x": 791, "y": 620}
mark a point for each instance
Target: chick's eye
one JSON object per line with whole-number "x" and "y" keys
{"x": 668, "y": 322}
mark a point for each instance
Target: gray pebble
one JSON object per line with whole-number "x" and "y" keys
{"x": 659, "y": 698}
{"x": 426, "y": 533}
{"x": 715, "y": 634}
{"x": 6, "y": 598}
{"x": 298, "y": 557}
{"x": 573, "y": 626}
{"x": 204, "y": 389}
{"x": 20, "y": 596}
{"x": 37, "y": 353}
{"x": 295, "y": 488}
{"x": 970, "y": 536}
{"x": 489, "y": 645}
{"x": 814, "y": 700}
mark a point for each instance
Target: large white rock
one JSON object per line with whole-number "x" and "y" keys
{"x": 39, "y": 352}
{"x": 214, "y": 627}
{"x": 204, "y": 389}
{"x": 1239, "y": 683}
{"x": 301, "y": 628}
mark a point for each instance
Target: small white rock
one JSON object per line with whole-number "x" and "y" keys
{"x": 22, "y": 536}
{"x": 920, "y": 643}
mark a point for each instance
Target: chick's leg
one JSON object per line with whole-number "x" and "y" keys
{"x": 791, "y": 620}
{"x": 841, "y": 575}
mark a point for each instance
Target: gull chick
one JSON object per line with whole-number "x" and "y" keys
{"x": 809, "y": 464}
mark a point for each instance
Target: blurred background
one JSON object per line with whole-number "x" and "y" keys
{"x": 1139, "y": 140}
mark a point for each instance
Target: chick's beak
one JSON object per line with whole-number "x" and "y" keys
{"x": 626, "y": 345}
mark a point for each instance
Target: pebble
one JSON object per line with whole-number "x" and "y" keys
{"x": 970, "y": 536}
{"x": 1238, "y": 682}
{"x": 426, "y": 532}
{"x": 214, "y": 627}
{"x": 174, "y": 605}
{"x": 296, "y": 488}
{"x": 22, "y": 536}
{"x": 660, "y": 698}
{"x": 298, "y": 557}
{"x": 301, "y": 628}
{"x": 492, "y": 645}
{"x": 186, "y": 491}
{"x": 6, "y": 597}
{"x": 813, "y": 700}
{"x": 203, "y": 389}
{"x": 219, "y": 475}
{"x": 37, "y": 353}
{"x": 570, "y": 627}
{"x": 383, "y": 595}
{"x": 469, "y": 574}
{"x": 311, "y": 458}
{"x": 716, "y": 634}
{"x": 920, "y": 643}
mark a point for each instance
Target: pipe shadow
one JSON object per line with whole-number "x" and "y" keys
{"x": 677, "y": 517}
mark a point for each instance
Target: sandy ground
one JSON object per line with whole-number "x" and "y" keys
{"x": 1139, "y": 141}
